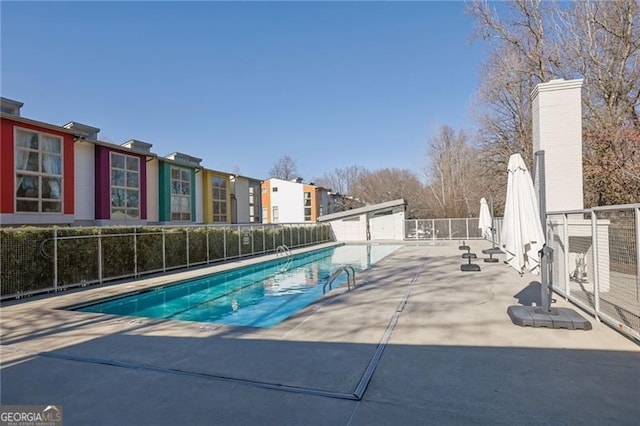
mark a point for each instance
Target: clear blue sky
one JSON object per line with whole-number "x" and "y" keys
{"x": 241, "y": 84}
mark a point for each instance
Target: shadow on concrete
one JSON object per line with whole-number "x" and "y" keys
{"x": 128, "y": 378}
{"x": 133, "y": 371}
{"x": 530, "y": 295}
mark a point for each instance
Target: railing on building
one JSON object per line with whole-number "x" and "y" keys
{"x": 38, "y": 260}
{"x": 446, "y": 229}
{"x": 597, "y": 262}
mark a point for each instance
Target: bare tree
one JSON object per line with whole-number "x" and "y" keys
{"x": 601, "y": 41}
{"x": 285, "y": 168}
{"x": 602, "y": 44}
{"x": 391, "y": 184}
{"x": 341, "y": 180}
{"x": 453, "y": 174}
{"x": 612, "y": 166}
{"x": 524, "y": 53}
{"x": 533, "y": 41}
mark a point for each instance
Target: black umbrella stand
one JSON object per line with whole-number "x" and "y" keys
{"x": 493, "y": 250}
{"x": 544, "y": 315}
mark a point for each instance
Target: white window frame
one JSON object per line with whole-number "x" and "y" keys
{"x": 253, "y": 217}
{"x": 275, "y": 214}
{"x": 40, "y": 174}
{"x": 218, "y": 203}
{"x": 182, "y": 216}
{"x": 307, "y": 197}
{"x": 126, "y": 210}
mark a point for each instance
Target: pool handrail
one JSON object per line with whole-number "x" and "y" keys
{"x": 283, "y": 250}
{"x": 351, "y": 278}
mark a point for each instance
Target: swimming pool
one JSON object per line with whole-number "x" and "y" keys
{"x": 261, "y": 295}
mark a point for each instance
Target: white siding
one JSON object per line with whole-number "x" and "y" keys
{"x": 199, "y": 195}
{"x": 152, "y": 191}
{"x": 352, "y": 229}
{"x": 85, "y": 188}
{"x": 241, "y": 191}
{"x": 387, "y": 227}
{"x": 289, "y": 200}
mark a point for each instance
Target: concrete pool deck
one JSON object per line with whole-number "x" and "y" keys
{"x": 452, "y": 356}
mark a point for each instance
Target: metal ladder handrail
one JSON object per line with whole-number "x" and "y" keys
{"x": 283, "y": 250}
{"x": 351, "y": 278}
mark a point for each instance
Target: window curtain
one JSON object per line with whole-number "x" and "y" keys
{"x": 22, "y": 156}
{"x": 51, "y": 164}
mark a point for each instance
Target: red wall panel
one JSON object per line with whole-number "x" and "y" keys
{"x": 7, "y": 158}
{"x": 6, "y": 166}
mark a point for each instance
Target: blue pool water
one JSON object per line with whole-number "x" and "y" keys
{"x": 261, "y": 295}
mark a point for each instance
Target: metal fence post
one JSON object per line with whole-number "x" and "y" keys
{"x": 164, "y": 250}
{"x": 637, "y": 210}
{"x": 135, "y": 252}
{"x": 449, "y": 228}
{"x": 55, "y": 259}
{"x": 253, "y": 248}
{"x": 100, "y": 255}
{"x": 224, "y": 243}
{"x": 206, "y": 233}
{"x": 187, "y": 244}
{"x": 466, "y": 222}
{"x": 596, "y": 269}
{"x": 565, "y": 243}
{"x": 239, "y": 241}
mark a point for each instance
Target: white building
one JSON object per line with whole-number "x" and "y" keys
{"x": 384, "y": 221}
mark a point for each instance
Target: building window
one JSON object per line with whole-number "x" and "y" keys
{"x": 264, "y": 213}
{"x": 125, "y": 187}
{"x": 274, "y": 189}
{"x": 253, "y": 206}
{"x": 38, "y": 172}
{"x": 9, "y": 110}
{"x": 307, "y": 206}
{"x": 219, "y": 196}
{"x": 275, "y": 215}
{"x": 180, "y": 194}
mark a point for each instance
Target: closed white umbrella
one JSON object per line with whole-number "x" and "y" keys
{"x": 485, "y": 224}
{"x": 522, "y": 236}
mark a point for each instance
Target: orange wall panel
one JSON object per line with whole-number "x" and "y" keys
{"x": 266, "y": 200}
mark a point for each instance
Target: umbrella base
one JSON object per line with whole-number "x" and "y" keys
{"x": 469, "y": 267}
{"x": 535, "y": 316}
{"x": 492, "y": 260}
{"x": 495, "y": 250}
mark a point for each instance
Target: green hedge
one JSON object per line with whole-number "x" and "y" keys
{"x": 26, "y": 260}
{"x": 27, "y": 254}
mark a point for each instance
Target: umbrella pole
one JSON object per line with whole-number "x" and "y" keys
{"x": 493, "y": 225}
{"x": 546, "y": 275}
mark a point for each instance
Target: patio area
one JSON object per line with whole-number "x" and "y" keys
{"x": 449, "y": 355}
